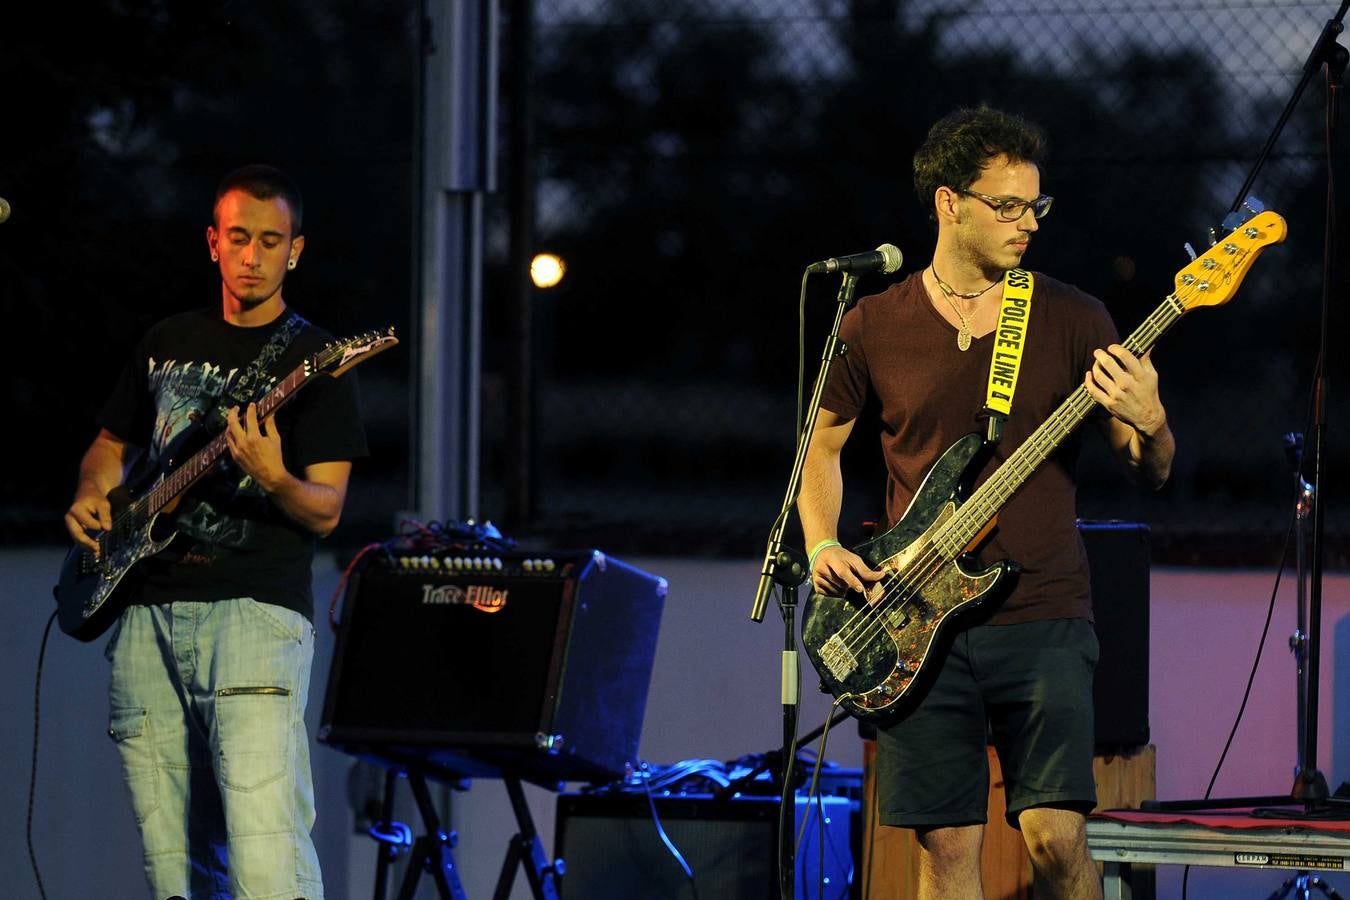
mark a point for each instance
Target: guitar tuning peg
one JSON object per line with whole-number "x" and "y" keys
{"x": 1190, "y": 251}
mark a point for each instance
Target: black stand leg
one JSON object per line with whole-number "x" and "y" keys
{"x": 787, "y": 798}
{"x": 525, "y": 850}
{"x": 388, "y": 848}
{"x": 1301, "y": 887}
{"x": 430, "y": 852}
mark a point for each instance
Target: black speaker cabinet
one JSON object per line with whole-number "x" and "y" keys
{"x": 1118, "y": 555}
{"x": 611, "y": 847}
{"x": 535, "y": 666}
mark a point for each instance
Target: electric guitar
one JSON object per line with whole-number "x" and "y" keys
{"x": 874, "y": 651}
{"x": 87, "y": 596}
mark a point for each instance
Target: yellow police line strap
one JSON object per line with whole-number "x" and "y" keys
{"x": 1010, "y": 337}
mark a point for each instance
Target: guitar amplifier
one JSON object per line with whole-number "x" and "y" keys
{"x": 534, "y": 665}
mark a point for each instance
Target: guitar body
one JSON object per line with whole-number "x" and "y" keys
{"x": 87, "y": 597}
{"x": 876, "y": 652}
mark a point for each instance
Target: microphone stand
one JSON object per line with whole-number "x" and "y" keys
{"x": 1310, "y": 785}
{"x": 786, "y": 566}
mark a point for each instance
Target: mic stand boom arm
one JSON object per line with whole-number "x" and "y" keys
{"x": 780, "y": 565}
{"x": 1324, "y": 50}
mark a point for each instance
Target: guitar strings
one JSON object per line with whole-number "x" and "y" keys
{"x": 312, "y": 365}
{"x": 216, "y": 447}
{"x": 868, "y": 623}
{"x": 926, "y": 566}
{"x": 1173, "y": 306}
{"x": 1149, "y": 331}
{"x": 1015, "y": 462}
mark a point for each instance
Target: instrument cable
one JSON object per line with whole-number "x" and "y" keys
{"x": 32, "y": 777}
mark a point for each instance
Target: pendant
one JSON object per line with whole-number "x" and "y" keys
{"x": 963, "y": 338}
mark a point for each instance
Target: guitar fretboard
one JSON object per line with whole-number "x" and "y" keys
{"x": 204, "y": 459}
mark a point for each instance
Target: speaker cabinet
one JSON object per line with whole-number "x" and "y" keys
{"x": 611, "y": 847}
{"x": 1118, "y": 555}
{"x": 535, "y": 666}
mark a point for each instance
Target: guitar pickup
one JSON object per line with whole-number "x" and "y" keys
{"x": 836, "y": 656}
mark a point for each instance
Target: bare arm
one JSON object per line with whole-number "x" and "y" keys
{"x": 1127, "y": 386}
{"x": 819, "y": 503}
{"x": 315, "y": 501}
{"x": 102, "y": 469}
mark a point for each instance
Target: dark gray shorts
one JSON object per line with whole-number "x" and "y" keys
{"x": 1025, "y": 688}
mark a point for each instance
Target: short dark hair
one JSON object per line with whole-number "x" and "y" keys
{"x": 263, "y": 183}
{"x": 961, "y": 144}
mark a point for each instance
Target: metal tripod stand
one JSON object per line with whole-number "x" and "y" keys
{"x": 1302, "y": 884}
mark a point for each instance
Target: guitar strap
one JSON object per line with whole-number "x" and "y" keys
{"x": 1010, "y": 337}
{"x": 251, "y": 385}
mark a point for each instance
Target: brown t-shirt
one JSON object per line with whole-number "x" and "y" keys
{"x": 902, "y": 352}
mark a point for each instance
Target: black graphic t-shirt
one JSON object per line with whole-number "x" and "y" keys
{"x": 170, "y": 400}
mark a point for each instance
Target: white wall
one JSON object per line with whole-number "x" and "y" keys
{"x": 714, "y": 693}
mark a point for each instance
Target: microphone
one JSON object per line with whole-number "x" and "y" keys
{"x": 4, "y": 209}
{"x": 885, "y": 259}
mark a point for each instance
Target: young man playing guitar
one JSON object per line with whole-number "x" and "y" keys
{"x": 211, "y": 657}
{"x": 923, "y": 350}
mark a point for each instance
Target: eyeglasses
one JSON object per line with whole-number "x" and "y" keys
{"x": 1010, "y": 209}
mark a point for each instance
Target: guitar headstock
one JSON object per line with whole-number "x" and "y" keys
{"x": 1213, "y": 278}
{"x": 340, "y": 356}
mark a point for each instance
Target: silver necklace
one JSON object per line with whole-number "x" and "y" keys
{"x": 963, "y": 336}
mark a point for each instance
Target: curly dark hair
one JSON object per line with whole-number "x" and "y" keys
{"x": 961, "y": 144}
{"x": 263, "y": 183}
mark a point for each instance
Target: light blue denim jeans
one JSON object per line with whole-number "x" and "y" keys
{"x": 207, "y": 712}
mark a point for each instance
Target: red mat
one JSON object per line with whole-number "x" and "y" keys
{"x": 1227, "y": 818}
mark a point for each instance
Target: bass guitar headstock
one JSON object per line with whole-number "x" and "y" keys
{"x": 1213, "y": 278}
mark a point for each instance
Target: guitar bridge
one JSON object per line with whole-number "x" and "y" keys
{"x": 836, "y": 656}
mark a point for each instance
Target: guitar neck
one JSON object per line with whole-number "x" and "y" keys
{"x": 183, "y": 477}
{"x": 991, "y": 496}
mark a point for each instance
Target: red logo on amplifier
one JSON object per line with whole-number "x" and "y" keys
{"x": 487, "y": 599}
{"x": 482, "y": 597}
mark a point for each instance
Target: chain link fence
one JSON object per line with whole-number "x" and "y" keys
{"x": 695, "y": 155}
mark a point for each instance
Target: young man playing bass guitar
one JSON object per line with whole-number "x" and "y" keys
{"x": 925, "y": 351}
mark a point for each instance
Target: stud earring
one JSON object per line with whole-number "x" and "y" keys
{"x": 290, "y": 264}
{"x": 215, "y": 257}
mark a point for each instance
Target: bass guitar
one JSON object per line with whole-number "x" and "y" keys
{"x": 87, "y": 596}
{"x": 875, "y": 651}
